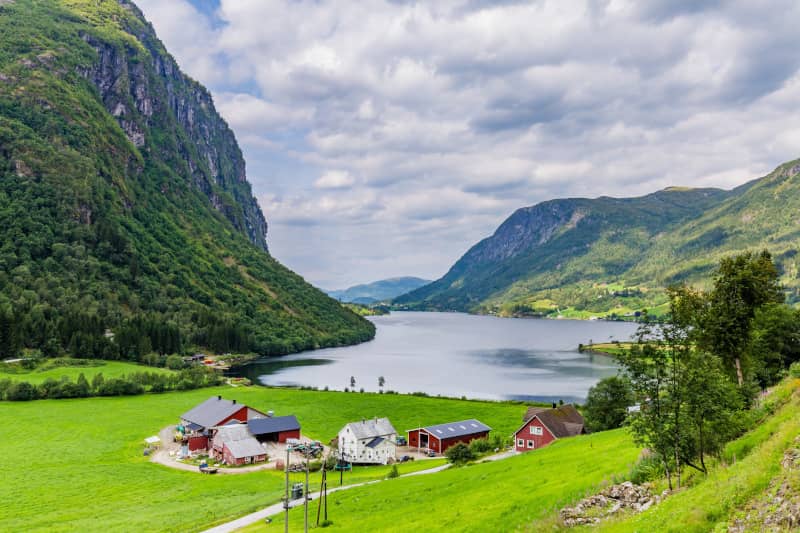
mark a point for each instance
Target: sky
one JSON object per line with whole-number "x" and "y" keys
{"x": 385, "y": 138}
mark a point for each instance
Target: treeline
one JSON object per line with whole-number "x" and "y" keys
{"x": 127, "y": 385}
{"x": 697, "y": 374}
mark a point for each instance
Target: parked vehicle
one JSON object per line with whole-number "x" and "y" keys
{"x": 406, "y": 458}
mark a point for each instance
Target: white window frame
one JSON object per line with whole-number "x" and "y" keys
{"x": 521, "y": 443}
{"x": 530, "y": 444}
{"x": 536, "y": 430}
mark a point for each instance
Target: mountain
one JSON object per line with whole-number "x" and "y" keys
{"x": 579, "y": 257}
{"x": 378, "y": 291}
{"x": 124, "y": 201}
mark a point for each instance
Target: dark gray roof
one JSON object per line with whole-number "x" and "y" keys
{"x": 275, "y": 424}
{"x": 457, "y": 429}
{"x": 212, "y": 411}
{"x": 374, "y": 442}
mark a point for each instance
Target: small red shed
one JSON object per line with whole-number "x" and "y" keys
{"x": 542, "y": 426}
{"x": 440, "y": 437}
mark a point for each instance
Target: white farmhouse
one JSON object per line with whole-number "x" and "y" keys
{"x": 369, "y": 441}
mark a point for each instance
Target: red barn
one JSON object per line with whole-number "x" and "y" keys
{"x": 274, "y": 428}
{"x": 439, "y": 438}
{"x": 199, "y": 421}
{"x": 542, "y": 426}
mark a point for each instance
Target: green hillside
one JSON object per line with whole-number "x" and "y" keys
{"x": 124, "y": 203}
{"x": 607, "y": 255}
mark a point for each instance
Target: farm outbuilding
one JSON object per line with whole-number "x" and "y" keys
{"x": 542, "y": 425}
{"x": 274, "y": 428}
{"x": 235, "y": 445}
{"x": 440, "y": 437}
{"x": 198, "y": 422}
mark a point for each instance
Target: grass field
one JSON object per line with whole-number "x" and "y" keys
{"x": 710, "y": 504}
{"x": 77, "y": 465}
{"x": 501, "y": 496}
{"x": 109, "y": 369}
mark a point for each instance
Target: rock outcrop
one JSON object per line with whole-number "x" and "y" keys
{"x": 610, "y": 501}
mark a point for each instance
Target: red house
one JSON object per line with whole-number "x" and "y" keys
{"x": 439, "y": 438}
{"x": 199, "y": 421}
{"x": 542, "y": 426}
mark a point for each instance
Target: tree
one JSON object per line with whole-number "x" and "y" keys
{"x": 352, "y": 382}
{"x": 742, "y": 284}
{"x": 381, "y": 382}
{"x": 775, "y": 342}
{"x": 607, "y": 403}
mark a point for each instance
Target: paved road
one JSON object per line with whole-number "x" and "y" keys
{"x": 278, "y": 507}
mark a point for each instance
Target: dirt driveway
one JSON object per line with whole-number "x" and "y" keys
{"x": 167, "y": 455}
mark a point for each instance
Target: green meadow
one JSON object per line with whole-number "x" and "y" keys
{"x": 77, "y": 465}
{"x": 493, "y": 496}
{"x": 89, "y": 368}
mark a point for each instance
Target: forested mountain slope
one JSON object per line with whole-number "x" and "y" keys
{"x": 378, "y": 291}
{"x": 610, "y": 255}
{"x": 124, "y": 204}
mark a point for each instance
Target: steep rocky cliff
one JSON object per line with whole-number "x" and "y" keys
{"x": 143, "y": 88}
{"x": 124, "y": 200}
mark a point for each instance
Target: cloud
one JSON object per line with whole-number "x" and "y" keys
{"x": 335, "y": 179}
{"x": 413, "y": 129}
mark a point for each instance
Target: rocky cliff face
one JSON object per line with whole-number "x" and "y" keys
{"x": 144, "y": 89}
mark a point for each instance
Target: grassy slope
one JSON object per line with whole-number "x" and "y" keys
{"x": 708, "y": 506}
{"x": 500, "y": 496}
{"x": 109, "y": 369}
{"x": 58, "y": 452}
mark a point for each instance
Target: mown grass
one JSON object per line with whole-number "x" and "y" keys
{"x": 109, "y": 369}
{"x": 77, "y": 465}
{"x": 709, "y": 505}
{"x": 501, "y": 496}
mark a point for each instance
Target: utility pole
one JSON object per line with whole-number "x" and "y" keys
{"x": 286, "y": 495}
{"x": 305, "y": 496}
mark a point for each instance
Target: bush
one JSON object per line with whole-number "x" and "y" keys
{"x": 649, "y": 468}
{"x": 314, "y": 466}
{"x": 794, "y": 369}
{"x": 393, "y": 473}
{"x": 174, "y": 362}
{"x": 459, "y": 454}
{"x": 21, "y": 392}
{"x": 480, "y": 446}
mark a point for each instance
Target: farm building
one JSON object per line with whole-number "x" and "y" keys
{"x": 274, "y": 428}
{"x": 198, "y": 422}
{"x": 369, "y": 441}
{"x": 439, "y": 438}
{"x": 542, "y": 425}
{"x": 234, "y": 445}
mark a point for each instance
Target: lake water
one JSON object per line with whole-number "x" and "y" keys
{"x": 456, "y": 354}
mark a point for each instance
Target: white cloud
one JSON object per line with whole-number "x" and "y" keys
{"x": 335, "y": 179}
{"x": 415, "y": 128}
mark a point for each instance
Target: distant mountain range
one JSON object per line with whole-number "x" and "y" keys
{"x": 378, "y": 291}
{"x": 583, "y": 257}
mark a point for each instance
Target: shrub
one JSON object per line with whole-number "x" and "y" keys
{"x": 794, "y": 369}
{"x": 480, "y": 446}
{"x": 393, "y": 473}
{"x": 174, "y": 362}
{"x": 459, "y": 454}
{"x": 21, "y": 392}
{"x": 315, "y": 466}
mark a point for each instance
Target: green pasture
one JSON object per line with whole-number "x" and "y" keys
{"x": 89, "y": 368}
{"x": 495, "y": 496}
{"x": 77, "y": 465}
